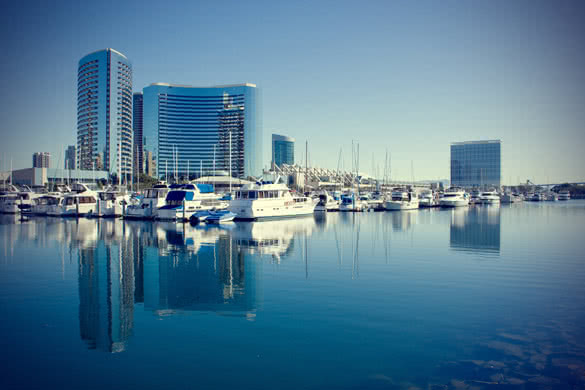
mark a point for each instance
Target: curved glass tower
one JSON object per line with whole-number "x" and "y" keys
{"x": 283, "y": 150}
{"x": 192, "y": 130}
{"x": 104, "y": 112}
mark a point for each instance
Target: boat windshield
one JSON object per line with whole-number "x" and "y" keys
{"x": 107, "y": 196}
{"x": 175, "y": 198}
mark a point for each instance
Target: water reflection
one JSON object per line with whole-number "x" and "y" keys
{"x": 167, "y": 267}
{"x": 273, "y": 237}
{"x": 403, "y": 220}
{"x": 106, "y": 296}
{"x": 129, "y": 283}
{"x": 476, "y": 229}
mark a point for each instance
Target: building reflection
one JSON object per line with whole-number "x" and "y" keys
{"x": 106, "y": 296}
{"x": 476, "y": 229}
{"x": 200, "y": 270}
{"x": 168, "y": 268}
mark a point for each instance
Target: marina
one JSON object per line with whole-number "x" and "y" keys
{"x": 464, "y": 297}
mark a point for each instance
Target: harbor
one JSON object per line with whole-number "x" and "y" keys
{"x": 395, "y": 290}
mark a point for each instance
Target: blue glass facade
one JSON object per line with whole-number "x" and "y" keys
{"x": 476, "y": 163}
{"x": 187, "y": 126}
{"x": 283, "y": 150}
{"x": 104, "y": 112}
{"x": 137, "y": 108}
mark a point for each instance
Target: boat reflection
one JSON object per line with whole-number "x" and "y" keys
{"x": 476, "y": 230}
{"x": 271, "y": 237}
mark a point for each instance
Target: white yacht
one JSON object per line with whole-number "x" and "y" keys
{"x": 20, "y": 201}
{"x": 475, "y": 197}
{"x": 111, "y": 203}
{"x": 402, "y": 199}
{"x": 428, "y": 198}
{"x": 185, "y": 200}
{"x": 43, "y": 205}
{"x": 327, "y": 203}
{"x": 564, "y": 195}
{"x": 265, "y": 199}
{"x": 489, "y": 197}
{"x": 153, "y": 199}
{"x": 7, "y": 203}
{"x": 350, "y": 202}
{"x": 454, "y": 197}
{"x": 81, "y": 202}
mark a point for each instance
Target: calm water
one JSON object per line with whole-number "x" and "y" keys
{"x": 485, "y": 297}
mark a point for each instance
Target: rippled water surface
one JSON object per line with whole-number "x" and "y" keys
{"x": 474, "y": 298}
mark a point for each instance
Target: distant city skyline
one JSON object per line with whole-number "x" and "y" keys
{"x": 410, "y": 78}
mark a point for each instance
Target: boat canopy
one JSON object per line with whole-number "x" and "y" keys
{"x": 178, "y": 195}
{"x": 205, "y": 188}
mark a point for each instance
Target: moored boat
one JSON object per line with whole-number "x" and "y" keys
{"x": 147, "y": 207}
{"x": 183, "y": 201}
{"x": 489, "y": 197}
{"x": 402, "y": 199}
{"x": 220, "y": 216}
{"x": 265, "y": 199}
{"x": 564, "y": 195}
{"x": 454, "y": 197}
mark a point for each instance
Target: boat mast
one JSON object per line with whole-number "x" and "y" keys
{"x": 230, "y": 162}
{"x": 357, "y": 169}
{"x": 306, "y": 164}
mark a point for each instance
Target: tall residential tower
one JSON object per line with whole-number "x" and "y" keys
{"x": 104, "y": 112}
{"x": 41, "y": 159}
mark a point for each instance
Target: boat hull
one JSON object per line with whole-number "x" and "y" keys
{"x": 397, "y": 206}
{"x": 270, "y": 209}
{"x": 454, "y": 203}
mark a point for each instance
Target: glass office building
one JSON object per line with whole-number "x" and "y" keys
{"x": 283, "y": 150}
{"x": 70, "y": 160}
{"x": 137, "y": 108}
{"x": 194, "y": 130}
{"x": 476, "y": 163}
{"x": 104, "y": 112}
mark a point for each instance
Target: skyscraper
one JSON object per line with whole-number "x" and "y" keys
{"x": 104, "y": 112}
{"x": 137, "y": 105}
{"x": 191, "y": 127}
{"x": 283, "y": 150}
{"x": 476, "y": 163}
{"x": 70, "y": 161}
{"x": 41, "y": 160}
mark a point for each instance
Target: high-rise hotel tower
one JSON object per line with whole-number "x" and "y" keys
{"x": 192, "y": 130}
{"x": 104, "y": 113}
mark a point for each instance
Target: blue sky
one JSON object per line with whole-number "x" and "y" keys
{"x": 406, "y": 76}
